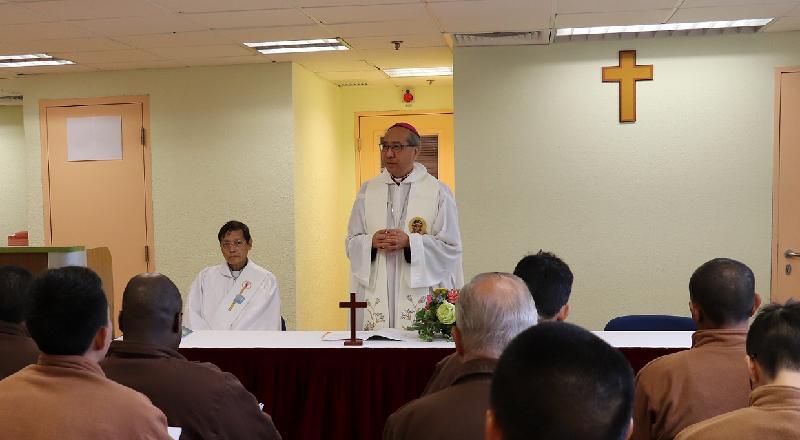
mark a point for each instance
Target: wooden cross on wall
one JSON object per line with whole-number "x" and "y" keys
{"x": 626, "y": 74}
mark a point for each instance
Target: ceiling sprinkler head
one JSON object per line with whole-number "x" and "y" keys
{"x": 397, "y": 44}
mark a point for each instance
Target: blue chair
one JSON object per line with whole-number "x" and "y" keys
{"x": 650, "y": 323}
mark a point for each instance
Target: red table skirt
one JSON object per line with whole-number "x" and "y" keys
{"x": 340, "y": 393}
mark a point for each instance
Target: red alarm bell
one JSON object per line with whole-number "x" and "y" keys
{"x": 408, "y": 97}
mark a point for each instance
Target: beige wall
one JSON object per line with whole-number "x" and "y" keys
{"x": 320, "y": 220}
{"x": 633, "y": 208}
{"x": 12, "y": 172}
{"x": 222, "y": 147}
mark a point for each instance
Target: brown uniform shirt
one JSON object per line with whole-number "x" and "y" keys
{"x": 17, "y": 349}
{"x": 446, "y": 372}
{"x": 681, "y": 389}
{"x": 456, "y": 412}
{"x": 68, "y": 397}
{"x": 774, "y": 413}
{"x": 197, "y": 397}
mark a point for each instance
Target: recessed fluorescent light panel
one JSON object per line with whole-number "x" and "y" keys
{"x": 34, "y": 59}
{"x": 294, "y": 46}
{"x": 419, "y": 71}
{"x": 601, "y": 30}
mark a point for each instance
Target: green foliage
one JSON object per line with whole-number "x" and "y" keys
{"x": 426, "y": 322}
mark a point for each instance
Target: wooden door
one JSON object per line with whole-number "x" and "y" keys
{"x": 436, "y": 130}
{"x": 100, "y": 203}
{"x": 786, "y": 206}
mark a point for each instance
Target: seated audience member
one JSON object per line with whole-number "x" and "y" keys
{"x": 711, "y": 378}
{"x": 491, "y": 310}
{"x": 558, "y": 381}
{"x": 550, "y": 282}
{"x": 17, "y": 349}
{"x": 66, "y": 395}
{"x": 197, "y": 397}
{"x": 237, "y": 294}
{"x": 773, "y": 350}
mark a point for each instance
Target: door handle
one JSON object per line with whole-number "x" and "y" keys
{"x": 791, "y": 254}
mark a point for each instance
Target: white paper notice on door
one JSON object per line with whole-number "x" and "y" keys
{"x": 94, "y": 138}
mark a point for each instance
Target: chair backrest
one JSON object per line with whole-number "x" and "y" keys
{"x": 99, "y": 260}
{"x": 651, "y": 323}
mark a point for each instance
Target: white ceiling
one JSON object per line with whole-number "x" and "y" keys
{"x": 136, "y": 34}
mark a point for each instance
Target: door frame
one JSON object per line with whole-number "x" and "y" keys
{"x": 142, "y": 100}
{"x": 357, "y": 131}
{"x": 776, "y": 156}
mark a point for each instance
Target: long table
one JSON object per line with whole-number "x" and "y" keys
{"x": 317, "y": 389}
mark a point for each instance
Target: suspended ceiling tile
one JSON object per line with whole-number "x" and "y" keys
{"x": 66, "y": 45}
{"x": 107, "y": 56}
{"x": 785, "y": 24}
{"x": 86, "y": 9}
{"x": 383, "y": 28}
{"x": 418, "y": 84}
{"x": 612, "y": 18}
{"x": 277, "y": 33}
{"x": 222, "y": 6}
{"x": 580, "y": 6}
{"x": 138, "y": 65}
{"x": 41, "y": 31}
{"x": 422, "y": 57}
{"x": 704, "y": 3}
{"x": 715, "y": 13}
{"x": 313, "y": 3}
{"x": 408, "y": 41}
{"x": 350, "y": 14}
{"x": 228, "y": 61}
{"x": 493, "y": 15}
{"x": 335, "y": 66}
{"x": 15, "y": 14}
{"x": 187, "y": 53}
{"x": 330, "y": 56}
{"x": 243, "y": 19}
{"x": 364, "y": 75}
{"x": 140, "y": 25}
{"x": 179, "y": 39}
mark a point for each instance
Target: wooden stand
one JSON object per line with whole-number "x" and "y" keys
{"x": 353, "y": 305}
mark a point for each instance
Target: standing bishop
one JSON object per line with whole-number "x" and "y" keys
{"x": 403, "y": 238}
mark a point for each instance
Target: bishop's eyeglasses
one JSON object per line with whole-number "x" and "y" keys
{"x": 396, "y": 148}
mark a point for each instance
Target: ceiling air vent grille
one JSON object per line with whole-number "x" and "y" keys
{"x": 502, "y": 38}
{"x": 10, "y": 99}
{"x": 354, "y": 83}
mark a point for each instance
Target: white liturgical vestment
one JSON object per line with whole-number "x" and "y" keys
{"x": 218, "y": 301}
{"x": 423, "y": 208}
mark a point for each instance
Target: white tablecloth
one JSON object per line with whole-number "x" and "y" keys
{"x": 313, "y": 339}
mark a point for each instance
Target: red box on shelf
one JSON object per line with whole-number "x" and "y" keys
{"x": 18, "y": 238}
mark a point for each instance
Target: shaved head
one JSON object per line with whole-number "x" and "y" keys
{"x": 150, "y": 304}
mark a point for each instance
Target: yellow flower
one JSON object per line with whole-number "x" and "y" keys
{"x": 446, "y": 313}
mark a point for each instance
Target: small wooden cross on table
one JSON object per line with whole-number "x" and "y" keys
{"x": 626, "y": 74}
{"x": 353, "y": 305}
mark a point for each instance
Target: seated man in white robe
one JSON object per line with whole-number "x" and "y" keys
{"x": 237, "y": 294}
{"x": 403, "y": 237}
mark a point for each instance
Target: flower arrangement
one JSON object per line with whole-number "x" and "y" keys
{"x": 438, "y": 316}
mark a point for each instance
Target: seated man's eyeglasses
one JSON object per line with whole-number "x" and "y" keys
{"x": 396, "y": 148}
{"x": 231, "y": 244}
